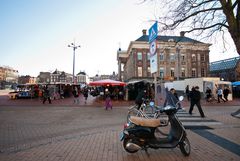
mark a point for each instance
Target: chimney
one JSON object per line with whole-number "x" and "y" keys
{"x": 182, "y": 33}
{"x": 144, "y": 31}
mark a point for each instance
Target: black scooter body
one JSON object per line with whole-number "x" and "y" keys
{"x": 137, "y": 137}
{"x": 140, "y": 132}
{"x": 147, "y": 133}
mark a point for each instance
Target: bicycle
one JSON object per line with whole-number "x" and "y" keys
{"x": 147, "y": 110}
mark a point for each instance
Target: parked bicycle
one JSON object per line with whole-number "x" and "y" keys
{"x": 147, "y": 110}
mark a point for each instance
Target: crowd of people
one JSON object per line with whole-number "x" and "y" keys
{"x": 144, "y": 92}
{"x": 51, "y": 92}
{"x": 77, "y": 91}
{"x": 193, "y": 95}
{"x": 222, "y": 94}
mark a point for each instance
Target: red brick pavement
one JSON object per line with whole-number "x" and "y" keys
{"x": 103, "y": 144}
{"x": 60, "y": 133}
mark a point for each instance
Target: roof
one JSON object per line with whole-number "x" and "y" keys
{"x": 56, "y": 72}
{"x": 224, "y": 64}
{"x": 81, "y": 73}
{"x": 169, "y": 38}
{"x": 107, "y": 82}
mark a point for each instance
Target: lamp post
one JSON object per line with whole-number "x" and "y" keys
{"x": 178, "y": 61}
{"x": 72, "y": 45}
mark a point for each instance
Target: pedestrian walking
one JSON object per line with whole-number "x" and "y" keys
{"x": 85, "y": 94}
{"x": 208, "y": 94}
{"x": 195, "y": 98}
{"x": 108, "y": 101}
{"x": 187, "y": 91}
{"x": 75, "y": 95}
{"x": 46, "y": 95}
{"x": 61, "y": 93}
{"x": 140, "y": 97}
{"x": 219, "y": 94}
{"x": 174, "y": 93}
{"x": 226, "y": 92}
{"x": 171, "y": 98}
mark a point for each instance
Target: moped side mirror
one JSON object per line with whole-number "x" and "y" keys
{"x": 181, "y": 98}
{"x": 151, "y": 103}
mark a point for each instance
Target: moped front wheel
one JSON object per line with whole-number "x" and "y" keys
{"x": 185, "y": 146}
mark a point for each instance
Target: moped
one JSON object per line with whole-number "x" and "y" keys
{"x": 139, "y": 132}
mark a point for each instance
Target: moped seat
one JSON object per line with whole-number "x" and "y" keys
{"x": 141, "y": 121}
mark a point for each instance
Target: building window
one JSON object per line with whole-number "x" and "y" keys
{"x": 161, "y": 73}
{"x": 149, "y": 71}
{"x": 202, "y": 72}
{"x": 193, "y": 72}
{"x": 139, "y": 71}
{"x": 148, "y": 56}
{"x": 161, "y": 57}
{"x": 183, "y": 57}
{"x": 139, "y": 56}
{"x": 202, "y": 57}
{"x": 183, "y": 72}
{"x": 194, "y": 58}
{"x": 172, "y": 72}
{"x": 172, "y": 57}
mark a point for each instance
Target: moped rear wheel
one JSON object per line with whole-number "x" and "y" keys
{"x": 125, "y": 141}
{"x": 185, "y": 146}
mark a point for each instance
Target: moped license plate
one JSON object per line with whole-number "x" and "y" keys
{"x": 121, "y": 136}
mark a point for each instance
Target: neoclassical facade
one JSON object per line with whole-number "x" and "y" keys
{"x": 178, "y": 57}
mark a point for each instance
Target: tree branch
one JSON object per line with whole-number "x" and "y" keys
{"x": 194, "y": 14}
{"x": 204, "y": 2}
{"x": 208, "y": 27}
{"x": 235, "y": 4}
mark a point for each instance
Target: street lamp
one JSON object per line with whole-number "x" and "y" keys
{"x": 178, "y": 47}
{"x": 72, "y": 45}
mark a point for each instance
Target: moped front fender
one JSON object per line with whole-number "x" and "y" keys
{"x": 123, "y": 134}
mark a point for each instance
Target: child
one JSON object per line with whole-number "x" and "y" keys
{"x": 108, "y": 102}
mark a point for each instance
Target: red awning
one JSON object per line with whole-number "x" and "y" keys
{"x": 107, "y": 82}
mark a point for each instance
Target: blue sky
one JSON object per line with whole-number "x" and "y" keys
{"x": 34, "y": 34}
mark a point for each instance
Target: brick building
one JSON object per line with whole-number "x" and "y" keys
{"x": 26, "y": 80}
{"x": 8, "y": 76}
{"x": 60, "y": 77}
{"x": 44, "y": 77}
{"x": 179, "y": 57}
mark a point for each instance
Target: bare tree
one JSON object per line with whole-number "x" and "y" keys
{"x": 203, "y": 17}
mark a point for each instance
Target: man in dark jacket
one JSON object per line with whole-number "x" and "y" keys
{"x": 226, "y": 93}
{"x": 46, "y": 95}
{"x": 171, "y": 98}
{"x": 139, "y": 98}
{"x": 195, "y": 97}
